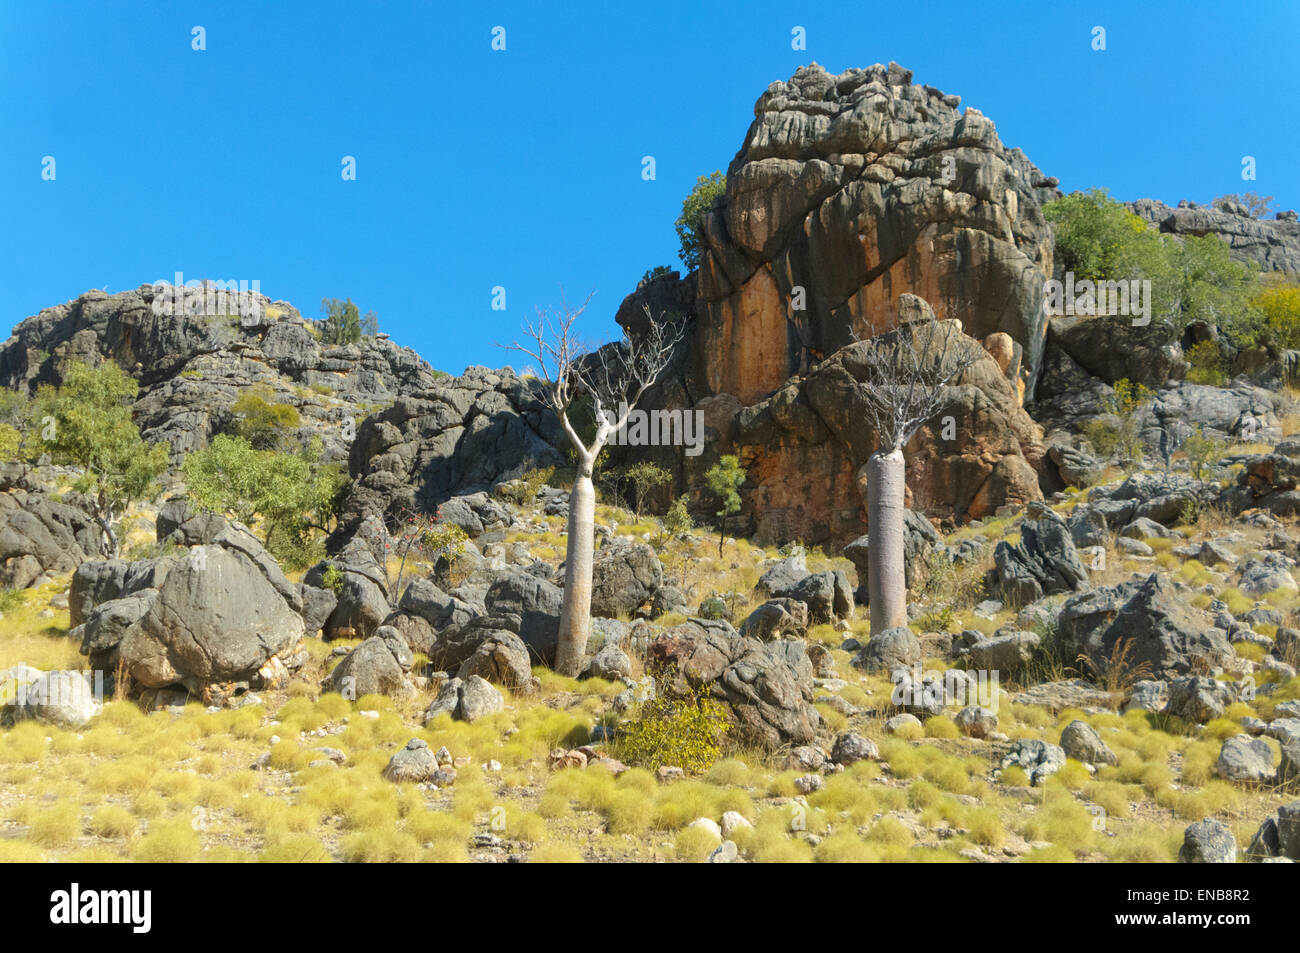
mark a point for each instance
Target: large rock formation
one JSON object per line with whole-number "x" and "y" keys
{"x": 767, "y": 687}
{"x": 1153, "y": 625}
{"x": 980, "y": 452}
{"x": 456, "y": 436}
{"x": 856, "y": 188}
{"x": 852, "y": 197}
{"x": 192, "y": 366}
{"x": 215, "y": 615}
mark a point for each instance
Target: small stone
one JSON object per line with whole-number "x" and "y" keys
{"x": 733, "y": 821}
{"x": 976, "y": 721}
{"x": 851, "y": 747}
{"x": 1082, "y": 743}
{"x": 1208, "y": 842}
{"x": 1245, "y": 759}
{"x": 898, "y": 722}
{"x": 708, "y": 824}
{"x": 809, "y": 783}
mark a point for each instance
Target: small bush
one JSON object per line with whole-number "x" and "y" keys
{"x": 685, "y": 732}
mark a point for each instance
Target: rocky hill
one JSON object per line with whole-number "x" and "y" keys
{"x": 1101, "y": 649}
{"x": 192, "y": 366}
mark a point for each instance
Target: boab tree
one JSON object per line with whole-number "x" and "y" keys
{"x": 614, "y": 378}
{"x": 905, "y": 371}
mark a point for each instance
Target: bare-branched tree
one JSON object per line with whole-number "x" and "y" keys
{"x": 614, "y": 378}
{"x": 906, "y": 371}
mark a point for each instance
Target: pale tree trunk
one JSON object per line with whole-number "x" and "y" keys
{"x": 575, "y": 612}
{"x": 886, "y": 576}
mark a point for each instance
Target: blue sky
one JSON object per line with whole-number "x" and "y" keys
{"x": 522, "y": 168}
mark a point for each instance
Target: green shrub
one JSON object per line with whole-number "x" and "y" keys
{"x": 684, "y": 731}
{"x": 11, "y": 600}
{"x": 1117, "y": 433}
{"x": 263, "y": 422}
{"x": 707, "y": 192}
{"x": 1098, "y": 239}
{"x": 529, "y": 485}
{"x": 677, "y": 521}
{"x": 89, "y": 425}
{"x": 644, "y": 477}
{"x": 1207, "y": 364}
{"x": 333, "y": 578}
{"x": 1280, "y": 306}
{"x": 344, "y": 324}
{"x": 658, "y": 271}
{"x": 1201, "y": 450}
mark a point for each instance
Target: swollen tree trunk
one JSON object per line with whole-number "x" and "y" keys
{"x": 575, "y": 613}
{"x": 886, "y": 576}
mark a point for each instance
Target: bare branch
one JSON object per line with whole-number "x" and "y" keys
{"x": 907, "y": 369}
{"x": 617, "y": 373}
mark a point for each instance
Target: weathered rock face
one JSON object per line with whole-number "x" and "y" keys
{"x": 1113, "y": 348}
{"x": 378, "y": 666}
{"x": 192, "y": 367}
{"x": 858, "y": 187}
{"x": 1272, "y": 480}
{"x": 1162, "y": 629}
{"x": 625, "y": 576}
{"x": 1043, "y": 563}
{"x": 213, "y": 615}
{"x": 457, "y": 436}
{"x": 1274, "y": 244}
{"x": 981, "y": 450}
{"x": 39, "y": 534}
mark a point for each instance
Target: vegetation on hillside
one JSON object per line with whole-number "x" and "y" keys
{"x": 87, "y": 423}
{"x": 708, "y": 191}
{"x": 1098, "y": 239}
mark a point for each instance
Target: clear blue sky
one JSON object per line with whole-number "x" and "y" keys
{"x": 523, "y": 168}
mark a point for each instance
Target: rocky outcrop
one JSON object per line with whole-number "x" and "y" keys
{"x": 853, "y": 189}
{"x": 378, "y": 666}
{"x": 215, "y": 616}
{"x": 1043, "y": 563}
{"x": 767, "y": 687}
{"x": 192, "y": 366}
{"x": 1273, "y": 244}
{"x": 1271, "y": 480}
{"x": 1161, "y": 629}
{"x": 458, "y": 436}
{"x": 361, "y": 599}
{"x": 39, "y": 535}
{"x": 624, "y": 578}
{"x": 980, "y": 451}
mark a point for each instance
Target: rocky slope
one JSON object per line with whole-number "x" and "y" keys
{"x": 1273, "y": 244}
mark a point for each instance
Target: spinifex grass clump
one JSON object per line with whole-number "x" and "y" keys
{"x": 685, "y": 731}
